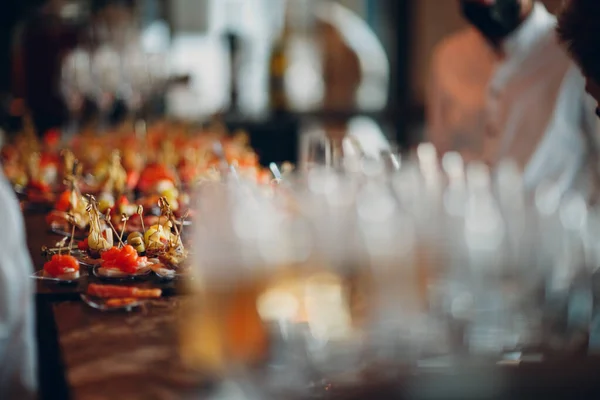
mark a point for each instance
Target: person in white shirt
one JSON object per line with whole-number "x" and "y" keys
{"x": 579, "y": 29}
{"x": 18, "y": 363}
{"x": 504, "y": 88}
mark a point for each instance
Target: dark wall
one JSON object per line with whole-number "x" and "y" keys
{"x": 10, "y": 13}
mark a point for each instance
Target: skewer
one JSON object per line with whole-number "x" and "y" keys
{"x": 124, "y": 219}
{"x": 46, "y": 250}
{"x": 107, "y": 219}
{"x": 180, "y": 232}
{"x": 161, "y": 206}
{"x": 140, "y": 212}
{"x": 71, "y": 219}
{"x": 61, "y": 245}
{"x": 165, "y": 209}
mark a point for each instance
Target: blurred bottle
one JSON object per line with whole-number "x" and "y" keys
{"x": 278, "y": 65}
{"x": 234, "y": 42}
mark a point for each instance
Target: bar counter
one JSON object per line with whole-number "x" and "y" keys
{"x": 89, "y": 354}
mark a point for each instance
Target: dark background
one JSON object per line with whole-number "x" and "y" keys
{"x": 408, "y": 29}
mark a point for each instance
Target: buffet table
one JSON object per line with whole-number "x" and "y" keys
{"x": 89, "y": 354}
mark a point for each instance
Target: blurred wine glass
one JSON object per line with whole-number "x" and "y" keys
{"x": 76, "y": 85}
{"x": 107, "y": 78}
{"x": 136, "y": 84}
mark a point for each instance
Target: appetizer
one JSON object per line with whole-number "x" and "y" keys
{"x": 172, "y": 259}
{"x": 111, "y": 175}
{"x": 122, "y": 262}
{"x": 100, "y": 238}
{"x": 71, "y": 205}
{"x": 120, "y": 303}
{"x": 38, "y": 190}
{"x": 121, "y": 292}
{"x": 154, "y": 177}
{"x": 63, "y": 267}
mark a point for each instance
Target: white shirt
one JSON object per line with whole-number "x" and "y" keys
{"x": 528, "y": 104}
{"x": 17, "y": 342}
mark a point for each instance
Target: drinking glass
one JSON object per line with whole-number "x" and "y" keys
{"x": 76, "y": 85}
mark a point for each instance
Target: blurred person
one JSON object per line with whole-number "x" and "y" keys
{"x": 18, "y": 363}
{"x": 579, "y": 29}
{"x": 342, "y": 73}
{"x": 504, "y": 88}
{"x": 356, "y": 67}
{"x": 355, "y": 78}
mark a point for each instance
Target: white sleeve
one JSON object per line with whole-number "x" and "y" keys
{"x": 18, "y": 364}
{"x": 591, "y": 132}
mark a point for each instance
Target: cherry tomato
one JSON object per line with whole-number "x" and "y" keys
{"x": 60, "y": 263}
{"x": 40, "y": 186}
{"x": 125, "y": 259}
{"x": 83, "y": 245}
{"x": 152, "y": 174}
{"x": 133, "y": 178}
{"x": 110, "y": 254}
{"x": 64, "y": 201}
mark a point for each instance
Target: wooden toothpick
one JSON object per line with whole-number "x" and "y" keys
{"x": 140, "y": 212}
{"x": 108, "y": 221}
{"x": 124, "y": 219}
{"x": 71, "y": 219}
{"x": 183, "y": 218}
{"x": 61, "y": 245}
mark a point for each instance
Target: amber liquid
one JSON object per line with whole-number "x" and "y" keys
{"x": 227, "y": 325}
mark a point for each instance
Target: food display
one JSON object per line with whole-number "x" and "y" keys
{"x": 124, "y": 198}
{"x": 121, "y": 292}
{"x": 70, "y": 202}
{"x": 125, "y": 169}
{"x": 121, "y": 253}
{"x": 122, "y": 262}
{"x": 114, "y": 298}
{"x": 63, "y": 267}
{"x": 100, "y": 237}
{"x": 124, "y": 201}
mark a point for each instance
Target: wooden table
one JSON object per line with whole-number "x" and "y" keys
{"x": 88, "y": 354}
{"x": 119, "y": 355}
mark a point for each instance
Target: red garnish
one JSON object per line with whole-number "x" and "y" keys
{"x": 113, "y": 291}
{"x": 125, "y": 259}
{"x": 83, "y": 245}
{"x": 123, "y": 201}
{"x": 64, "y": 201}
{"x": 153, "y": 174}
{"x": 133, "y": 178}
{"x": 47, "y": 160}
{"x": 60, "y": 263}
{"x": 187, "y": 172}
{"x": 52, "y": 137}
{"x": 264, "y": 177}
{"x": 39, "y": 186}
